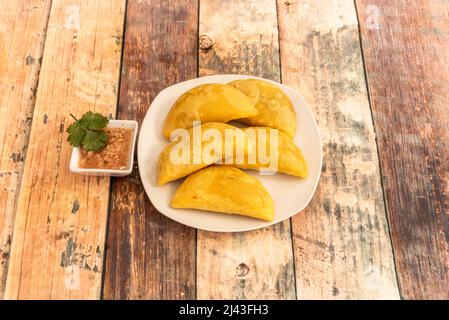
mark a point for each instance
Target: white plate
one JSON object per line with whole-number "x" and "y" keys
{"x": 290, "y": 194}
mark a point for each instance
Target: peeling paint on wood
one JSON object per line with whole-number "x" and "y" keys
{"x": 257, "y": 264}
{"x": 341, "y": 241}
{"x": 22, "y": 34}
{"x": 50, "y": 254}
{"x": 406, "y": 51}
{"x": 29, "y": 60}
{"x": 75, "y": 206}
{"x": 82, "y": 256}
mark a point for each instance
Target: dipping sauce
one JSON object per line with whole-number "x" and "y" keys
{"x": 113, "y": 156}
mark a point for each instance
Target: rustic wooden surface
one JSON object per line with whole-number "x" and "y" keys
{"x": 22, "y": 36}
{"x": 406, "y": 51}
{"x": 242, "y": 37}
{"x": 341, "y": 242}
{"x": 148, "y": 255}
{"x": 59, "y": 233}
{"x": 376, "y": 75}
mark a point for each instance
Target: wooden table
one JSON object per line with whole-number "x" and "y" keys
{"x": 375, "y": 73}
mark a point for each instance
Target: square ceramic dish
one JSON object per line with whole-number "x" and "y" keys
{"x": 128, "y": 124}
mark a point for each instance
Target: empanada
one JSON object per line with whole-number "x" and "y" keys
{"x": 181, "y": 157}
{"x": 208, "y": 103}
{"x": 274, "y": 107}
{"x": 225, "y": 189}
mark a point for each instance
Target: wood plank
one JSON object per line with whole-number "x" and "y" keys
{"x": 150, "y": 256}
{"x": 241, "y": 37}
{"x": 22, "y": 36}
{"x": 59, "y": 234}
{"x": 406, "y": 51}
{"x": 341, "y": 241}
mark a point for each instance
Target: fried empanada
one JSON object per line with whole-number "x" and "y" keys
{"x": 208, "y": 103}
{"x": 181, "y": 158}
{"x": 227, "y": 190}
{"x": 289, "y": 157}
{"x": 275, "y": 110}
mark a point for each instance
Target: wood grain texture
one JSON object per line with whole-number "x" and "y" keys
{"x": 150, "y": 256}
{"x": 59, "y": 234}
{"x": 239, "y": 37}
{"x": 22, "y": 36}
{"x": 406, "y": 51}
{"x": 341, "y": 241}
{"x": 242, "y": 37}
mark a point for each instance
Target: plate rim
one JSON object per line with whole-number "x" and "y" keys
{"x": 263, "y": 224}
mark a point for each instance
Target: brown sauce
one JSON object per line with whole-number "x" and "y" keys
{"x": 113, "y": 156}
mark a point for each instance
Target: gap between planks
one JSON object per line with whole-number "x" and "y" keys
{"x": 150, "y": 256}
{"x": 341, "y": 241}
{"x": 241, "y": 37}
{"x": 59, "y": 254}
{"x": 409, "y": 42}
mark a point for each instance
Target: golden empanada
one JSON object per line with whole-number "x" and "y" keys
{"x": 225, "y": 189}
{"x": 208, "y": 103}
{"x": 274, "y": 108}
{"x": 181, "y": 157}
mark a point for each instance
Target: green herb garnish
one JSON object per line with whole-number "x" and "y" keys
{"x": 88, "y": 132}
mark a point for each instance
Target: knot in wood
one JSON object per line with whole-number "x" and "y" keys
{"x": 206, "y": 43}
{"x": 241, "y": 270}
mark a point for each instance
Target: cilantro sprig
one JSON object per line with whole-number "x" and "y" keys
{"x": 88, "y": 132}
